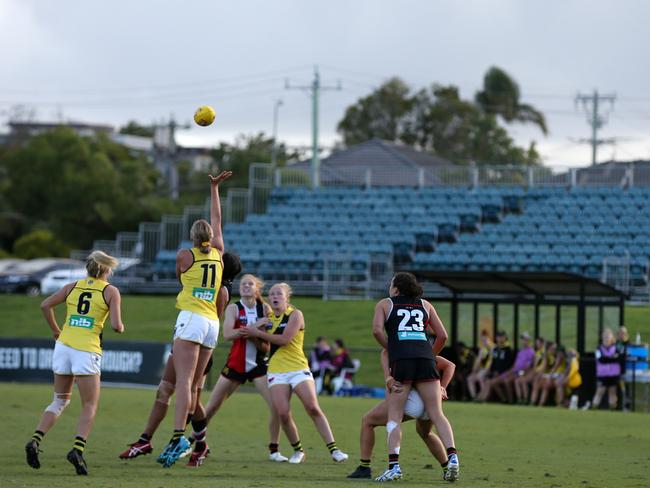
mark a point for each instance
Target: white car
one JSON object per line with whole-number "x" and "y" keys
{"x": 55, "y": 280}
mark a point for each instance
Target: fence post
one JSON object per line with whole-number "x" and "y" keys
{"x": 531, "y": 177}
{"x": 368, "y": 178}
{"x": 474, "y": 175}
{"x": 573, "y": 175}
{"x": 277, "y": 183}
{"x": 421, "y": 178}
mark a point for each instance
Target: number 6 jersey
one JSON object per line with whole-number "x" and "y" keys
{"x": 406, "y": 328}
{"x": 201, "y": 283}
{"x": 86, "y": 311}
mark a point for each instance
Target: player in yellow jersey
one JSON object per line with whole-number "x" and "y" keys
{"x": 231, "y": 268}
{"x": 78, "y": 352}
{"x": 288, "y": 371}
{"x": 197, "y": 327}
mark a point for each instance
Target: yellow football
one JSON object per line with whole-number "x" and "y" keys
{"x": 204, "y": 115}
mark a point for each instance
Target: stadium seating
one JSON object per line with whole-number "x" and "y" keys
{"x": 448, "y": 228}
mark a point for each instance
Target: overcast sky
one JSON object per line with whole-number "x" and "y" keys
{"x": 113, "y": 61}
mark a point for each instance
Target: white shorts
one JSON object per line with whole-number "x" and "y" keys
{"x": 194, "y": 327}
{"x": 69, "y": 361}
{"x": 414, "y": 406}
{"x": 293, "y": 378}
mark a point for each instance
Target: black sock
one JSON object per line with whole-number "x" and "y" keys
{"x": 332, "y": 446}
{"x": 297, "y": 446}
{"x": 444, "y": 465}
{"x": 144, "y": 438}
{"x": 79, "y": 444}
{"x": 38, "y": 436}
{"x": 364, "y": 463}
{"x": 273, "y": 447}
{"x": 451, "y": 450}
{"x": 200, "y": 428}
{"x": 188, "y": 419}
{"x": 178, "y": 433}
{"x": 393, "y": 460}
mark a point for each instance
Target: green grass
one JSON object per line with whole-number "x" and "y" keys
{"x": 503, "y": 446}
{"x": 152, "y": 318}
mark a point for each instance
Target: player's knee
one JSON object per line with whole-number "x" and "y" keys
{"x": 423, "y": 429}
{"x": 391, "y": 426}
{"x": 165, "y": 392}
{"x": 58, "y": 404}
{"x": 313, "y": 410}
{"x": 284, "y": 415}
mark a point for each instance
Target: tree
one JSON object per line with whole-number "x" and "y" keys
{"x": 378, "y": 115}
{"x": 81, "y": 189}
{"x": 436, "y": 120}
{"x": 135, "y": 129}
{"x": 254, "y": 148}
{"x": 500, "y": 96}
{"x": 39, "y": 244}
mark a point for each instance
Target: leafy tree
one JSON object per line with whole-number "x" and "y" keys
{"x": 436, "y": 120}
{"x": 39, "y": 244}
{"x": 135, "y": 129}
{"x": 81, "y": 189}
{"x": 255, "y": 148}
{"x": 500, "y": 96}
{"x": 378, "y": 115}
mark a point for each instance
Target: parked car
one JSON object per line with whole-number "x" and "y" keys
{"x": 55, "y": 280}
{"x": 26, "y": 277}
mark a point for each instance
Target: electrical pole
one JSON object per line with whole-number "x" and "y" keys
{"x": 314, "y": 90}
{"x": 591, "y": 104}
{"x": 274, "y": 148}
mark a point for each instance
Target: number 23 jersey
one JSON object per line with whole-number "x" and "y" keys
{"x": 201, "y": 283}
{"x": 86, "y": 312}
{"x": 406, "y": 328}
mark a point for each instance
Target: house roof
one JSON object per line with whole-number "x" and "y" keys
{"x": 384, "y": 160}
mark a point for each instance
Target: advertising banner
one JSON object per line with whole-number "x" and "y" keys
{"x": 127, "y": 362}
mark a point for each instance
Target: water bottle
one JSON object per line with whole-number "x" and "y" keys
{"x": 638, "y": 338}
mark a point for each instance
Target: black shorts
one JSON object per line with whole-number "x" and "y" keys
{"x": 414, "y": 370}
{"x": 608, "y": 381}
{"x": 242, "y": 378}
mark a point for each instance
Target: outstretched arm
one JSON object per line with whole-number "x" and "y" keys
{"x": 215, "y": 209}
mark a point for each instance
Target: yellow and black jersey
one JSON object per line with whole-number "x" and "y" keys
{"x": 86, "y": 312}
{"x": 290, "y": 357}
{"x": 201, "y": 283}
{"x": 539, "y": 363}
{"x": 485, "y": 357}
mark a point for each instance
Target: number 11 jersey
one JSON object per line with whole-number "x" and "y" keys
{"x": 201, "y": 283}
{"x": 86, "y": 311}
{"x": 406, "y": 328}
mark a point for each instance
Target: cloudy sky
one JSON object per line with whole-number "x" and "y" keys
{"x": 113, "y": 61}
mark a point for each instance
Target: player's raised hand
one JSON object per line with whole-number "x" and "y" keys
{"x": 223, "y": 176}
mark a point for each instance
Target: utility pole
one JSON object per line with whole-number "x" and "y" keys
{"x": 314, "y": 90}
{"x": 591, "y": 104}
{"x": 274, "y": 148}
{"x": 165, "y": 153}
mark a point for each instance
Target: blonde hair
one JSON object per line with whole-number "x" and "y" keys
{"x": 200, "y": 234}
{"x": 99, "y": 263}
{"x": 286, "y": 288}
{"x": 623, "y": 334}
{"x": 609, "y": 335}
{"x": 259, "y": 285}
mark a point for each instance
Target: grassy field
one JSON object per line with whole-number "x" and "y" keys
{"x": 151, "y": 318}
{"x": 503, "y": 446}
